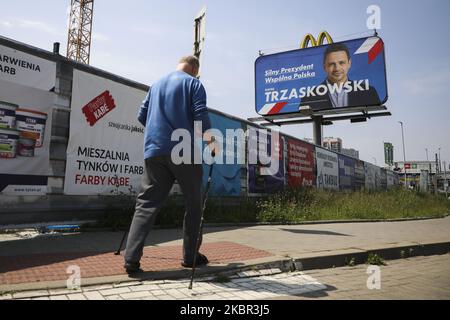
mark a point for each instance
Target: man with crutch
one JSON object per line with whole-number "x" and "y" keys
{"x": 175, "y": 101}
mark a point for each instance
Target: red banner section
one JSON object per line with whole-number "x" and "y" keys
{"x": 301, "y": 165}
{"x": 99, "y": 107}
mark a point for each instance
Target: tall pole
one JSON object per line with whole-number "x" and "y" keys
{"x": 445, "y": 179}
{"x": 440, "y": 168}
{"x": 429, "y": 172}
{"x": 404, "y": 154}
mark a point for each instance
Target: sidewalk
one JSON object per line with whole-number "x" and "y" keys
{"x": 41, "y": 262}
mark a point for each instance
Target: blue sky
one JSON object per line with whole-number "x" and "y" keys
{"x": 143, "y": 39}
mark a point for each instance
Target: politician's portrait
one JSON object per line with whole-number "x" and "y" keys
{"x": 338, "y": 89}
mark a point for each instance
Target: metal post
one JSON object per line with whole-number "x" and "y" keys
{"x": 404, "y": 154}
{"x": 318, "y": 130}
{"x": 440, "y": 168}
{"x": 445, "y": 179}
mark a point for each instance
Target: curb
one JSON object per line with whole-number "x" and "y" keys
{"x": 309, "y": 261}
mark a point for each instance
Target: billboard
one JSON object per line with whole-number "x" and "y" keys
{"x": 26, "y": 100}
{"x": 260, "y": 179}
{"x": 388, "y": 153}
{"x": 327, "y": 169}
{"x": 301, "y": 165}
{"x": 372, "y": 176}
{"x": 360, "y": 176}
{"x": 345, "y": 74}
{"x": 226, "y": 175}
{"x": 346, "y": 173}
{"x": 383, "y": 179}
{"x": 105, "y": 150}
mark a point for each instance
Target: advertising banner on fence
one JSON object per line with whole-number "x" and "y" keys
{"x": 26, "y": 103}
{"x": 360, "y": 176}
{"x": 346, "y": 173}
{"x": 27, "y": 70}
{"x": 105, "y": 151}
{"x": 383, "y": 179}
{"x": 327, "y": 169}
{"x": 390, "y": 179}
{"x": 301, "y": 166}
{"x": 339, "y": 75}
{"x": 226, "y": 176}
{"x": 260, "y": 178}
{"x": 372, "y": 176}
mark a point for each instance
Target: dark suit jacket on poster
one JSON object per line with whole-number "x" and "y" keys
{"x": 355, "y": 99}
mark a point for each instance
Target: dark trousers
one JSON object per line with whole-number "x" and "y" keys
{"x": 159, "y": 176}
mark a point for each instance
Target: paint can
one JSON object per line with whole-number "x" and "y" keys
{"x": 9, "y": 140}
{"x": 26, "y": 147}
{"x": 8, "y": 115}
{"x": 31, "y": 125}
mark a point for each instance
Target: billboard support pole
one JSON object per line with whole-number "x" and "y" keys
{"x": 317, "y": 120}
{"x": 317, "y": 123}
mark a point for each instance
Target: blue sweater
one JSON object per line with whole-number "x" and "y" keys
{"x": 175, "y": 101}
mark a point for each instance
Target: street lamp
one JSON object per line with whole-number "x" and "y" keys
{"x": 404, "y": 154}
{"x": 440, "y": 168}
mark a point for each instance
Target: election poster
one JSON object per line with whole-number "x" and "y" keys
{"x": 383, "y": 179}
{"x": 373, "y": 179}
{"x": 346, "y": 173}
{"x": 339, "y": 75}
{"x": 230, "y": 160}
{"x": 265, "y": 164}
{"x": 327, "y": 169}
{"x": 26, "y": 100}
{"x": 359, "y": 181}
{"x": 301, "y": 165}
{"x": 105, "y": 151}
{"x": 390, "y": 179}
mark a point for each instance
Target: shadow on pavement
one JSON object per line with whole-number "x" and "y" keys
{"x": 318, "y": 232}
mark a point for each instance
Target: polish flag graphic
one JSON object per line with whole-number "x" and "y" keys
{"x": 372, "y": 46}
{"x": 272, "y": 108}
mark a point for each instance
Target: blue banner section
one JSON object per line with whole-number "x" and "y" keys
{"x": 345, "y": 74}
{"x": 226, "y": 178}
{"x": 261, "y": 180}
{"x": 346, "y": 173}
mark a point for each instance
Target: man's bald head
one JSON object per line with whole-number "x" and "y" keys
{"x": 190, "y": 65}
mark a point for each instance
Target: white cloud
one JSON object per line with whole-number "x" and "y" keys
{"x": 6, "y": 24}
{"x": 35, "y": 25}
{"x": 99, "y": 36}
{"x": 149, "y": 30}
{"x": 433, "y": 83}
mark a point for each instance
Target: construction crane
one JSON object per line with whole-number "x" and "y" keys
{"x": 80, "y": 30}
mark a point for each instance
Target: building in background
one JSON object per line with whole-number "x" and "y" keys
{"x": 333, "y": 144}
{"x": 351, "y": 153}
{"x": 415, "y": 170}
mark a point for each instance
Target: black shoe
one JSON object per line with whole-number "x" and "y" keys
{"x": 132, "y": 267}
{"x": 200, "y": 261}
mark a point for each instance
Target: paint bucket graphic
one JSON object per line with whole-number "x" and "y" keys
{"x": 9, "y": 140}
{"x": 31, "y": 125}
{"x": 26, "y": 147}
{"x": 8, "y": 115}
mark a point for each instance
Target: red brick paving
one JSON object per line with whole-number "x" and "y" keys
{"x": 52, "y": 267}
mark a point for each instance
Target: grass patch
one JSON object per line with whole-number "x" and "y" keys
{"x": 375, "y": 260}
{"x": 291, "y": 206}
{"x": 316, "y": 205}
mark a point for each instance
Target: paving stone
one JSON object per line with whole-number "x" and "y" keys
{"x": 30, "y": 294}
{"x": 76, "y": 296}
{"x": 93, "y": 295}
{"x": 116, "y": 291}
{"x": 135, "y": 295}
